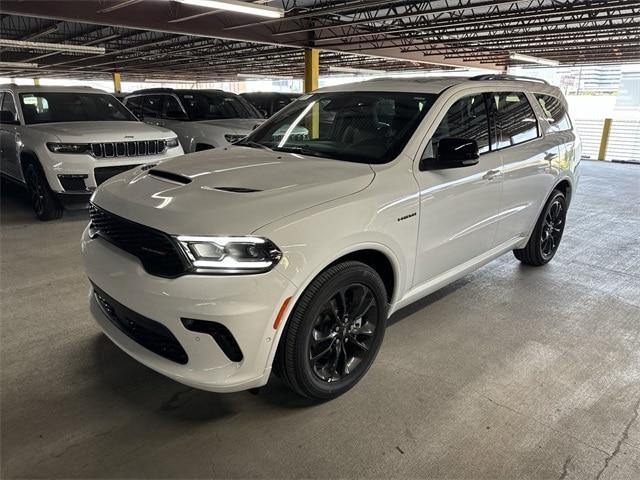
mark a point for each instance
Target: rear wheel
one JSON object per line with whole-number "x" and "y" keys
{"x": 44, "y": 203}
{"x": 335, "y": 332}
{"x": 547, "y": 234}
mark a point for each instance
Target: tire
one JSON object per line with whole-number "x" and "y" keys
{"x": 44, "y": 203}
{"x": 318, "y": 324}
{"x": 547, "y": 234}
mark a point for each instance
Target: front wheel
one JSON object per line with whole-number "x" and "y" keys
{"x": 335, "y": 332}
{"x": 44, "y": 203}
{"x": 547, "y": 234}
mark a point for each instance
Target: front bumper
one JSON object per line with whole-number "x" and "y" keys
{"x": 78, "y": 173}
{"x": 246, "y": 305}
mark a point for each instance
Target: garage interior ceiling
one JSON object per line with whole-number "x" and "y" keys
{"x": 164, "y": 38}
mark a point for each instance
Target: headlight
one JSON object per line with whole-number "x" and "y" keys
{"x": 230, "y": 254}
{"x": 172, "y": 142}
{"x": 69, "y": 147}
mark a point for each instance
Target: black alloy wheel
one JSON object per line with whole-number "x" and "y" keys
{"x": 43, "y": 201}
{"x": 334, "y": 332}
{"x": 547, "y": 234}
{"x": 343, "y": 332}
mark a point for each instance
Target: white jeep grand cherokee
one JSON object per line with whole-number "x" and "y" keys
{"x": 61, "y": 142}
{"x": 292, "y": 250}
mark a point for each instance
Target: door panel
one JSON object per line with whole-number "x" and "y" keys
{"x": 526, "y": 157}
{"x": 10, "y": 163}
{"x": 458, "y": 206}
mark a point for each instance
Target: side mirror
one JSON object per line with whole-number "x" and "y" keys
{"x": 8, "y": 118}
{"x": 453, "y": 153}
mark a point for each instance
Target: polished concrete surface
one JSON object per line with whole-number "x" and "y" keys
{"x": 512, "y": 372}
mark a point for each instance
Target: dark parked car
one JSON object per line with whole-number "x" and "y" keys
{"x": 269, "y": 103}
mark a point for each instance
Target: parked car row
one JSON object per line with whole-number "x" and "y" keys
{"x": 61, "y": 143}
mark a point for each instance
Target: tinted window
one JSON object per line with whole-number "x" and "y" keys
{"x": 554, "y": 112}
{"x": 515, "y": 120}
{"x": 152, "y": 106}
{"x": 51, "y": 107}
{"x": 172, "y": 109}
{"x": 135, "y": 105}
{"x": 368, "y": 127}
{"x": 207, "y": 105}
{"x": 467, "y": 119}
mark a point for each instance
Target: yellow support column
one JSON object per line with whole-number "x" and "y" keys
{"x": 36, "y": 82}
{"x": 604, "y": 141}
{"x": 311, "y": 69}
{"x": 117, "y": 87}
{"x": 311, "y": 75}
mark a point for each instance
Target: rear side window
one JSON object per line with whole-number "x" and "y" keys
{"x": 8, "y": 104}
{"x": 554, "y": 112}
{"x": 515, "y": 120}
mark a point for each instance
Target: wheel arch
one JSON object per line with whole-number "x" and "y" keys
{"x": 565, "y": 187}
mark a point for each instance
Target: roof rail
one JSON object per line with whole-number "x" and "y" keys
{"x": 496, "y": 76}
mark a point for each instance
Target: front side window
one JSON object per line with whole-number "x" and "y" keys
{"x": 54, "y": 107}
{"x": 466, "y": 119}
{"x": 8, "y": 104}
{"x": 367, "y": 127}
{"x": 206, "y": 105}
{"x": 555, "y": 113}
{"x": 515, "y": 120}
{"x": 173, "y": 109}
{"x": 151, "y": 106}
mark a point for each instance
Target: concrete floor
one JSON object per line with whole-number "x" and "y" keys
{"x": 511, "y": 372}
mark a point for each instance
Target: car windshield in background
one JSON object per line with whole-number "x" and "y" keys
{"x": 367, "y": 127}
{"x": 216, "y": 105}
{"x": 55, "y": 107}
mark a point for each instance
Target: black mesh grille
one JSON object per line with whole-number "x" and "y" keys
{"x": 156, "y": 250}
{"x": 150, "y": 334}
{"x": 103, "y": 174}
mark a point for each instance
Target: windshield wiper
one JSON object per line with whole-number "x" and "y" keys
{"x": 252, "y": 144}
{"x": 303, "y": 151}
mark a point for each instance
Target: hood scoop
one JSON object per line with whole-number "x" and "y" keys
{"x": 237, "y": 189}
{"x": 172, "y": 177}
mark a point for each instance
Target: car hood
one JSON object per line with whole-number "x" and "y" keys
{"x": 88, "y": 132}
{"x": 234, "y": 191}
{"x": 234, "y": 125}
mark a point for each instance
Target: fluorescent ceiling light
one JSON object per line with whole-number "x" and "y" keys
{"x": 168, "y": 80}
{"x": 57, "y": 47}
{"x": 530, "y": 59}
{"x": 18, "y": 65}
{"x": 237, "y": 7}
{"x": 263, "y": 76}
{"x": 365, "y": 71}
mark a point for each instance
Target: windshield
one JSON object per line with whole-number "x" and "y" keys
{"x": 53, "y": 107}
{"x": 368, "y": 127}
{"x": 216, "y": 105}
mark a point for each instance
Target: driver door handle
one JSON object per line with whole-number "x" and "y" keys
{"x": 491, "y": 175}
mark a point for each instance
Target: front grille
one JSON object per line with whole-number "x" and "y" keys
{"x": 103, "y": 174}
{"x": 150, "y": 334}
{"x": 128, "y": 149}
{"x": 157, "y": 252}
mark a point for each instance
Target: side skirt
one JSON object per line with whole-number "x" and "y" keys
{"x": 454, "y": 274}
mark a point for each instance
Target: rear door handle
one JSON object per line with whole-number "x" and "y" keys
{"x": 491, "y": 175}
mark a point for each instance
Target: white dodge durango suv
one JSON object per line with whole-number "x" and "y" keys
{"x": 61, "y": 142}
{"x": 291, "y": 250}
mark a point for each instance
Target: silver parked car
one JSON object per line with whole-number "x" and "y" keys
{"x": 62, "y": 142}
{"x": 203, "y": 119}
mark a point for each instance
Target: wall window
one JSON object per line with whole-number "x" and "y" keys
{"x": 515, "y": 120}
{"x": 468, "y": 119}
{"x": 555, "y": 113}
